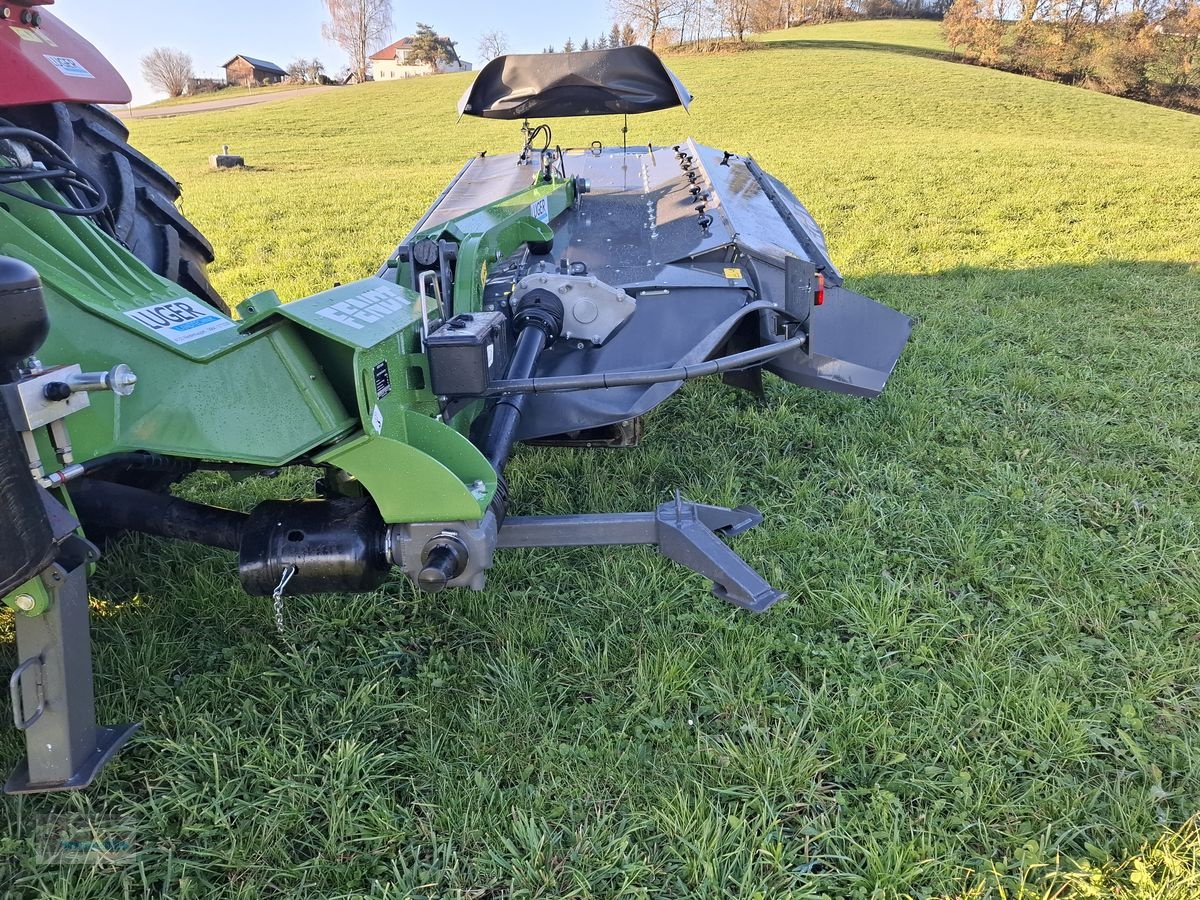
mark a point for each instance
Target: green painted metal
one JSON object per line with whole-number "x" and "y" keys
{"x": 338, "y": 378}
{"x": 415, "y": 467}
{"x": 258, "y": 399}
{"x": 493, "y": 232}
{"x": 33, "y": 588}
{"x": 293, "y": 382}
{"x": 408, "y": 484}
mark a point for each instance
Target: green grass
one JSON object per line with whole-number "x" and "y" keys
{"x": 984, "y": 683}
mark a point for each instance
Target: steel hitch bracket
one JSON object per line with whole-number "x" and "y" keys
{"x": 52, "y": 694}
{"x": 684, "y": 532}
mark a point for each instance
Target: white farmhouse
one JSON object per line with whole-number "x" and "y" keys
{"x": 392, "y": 61}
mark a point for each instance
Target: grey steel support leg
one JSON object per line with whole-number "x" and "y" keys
{"x": 683, "y": 531}
{"x": 52, "y": 694}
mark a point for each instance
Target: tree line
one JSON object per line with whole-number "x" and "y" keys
{"x": 1143, "y": 49}
{"x": 660, "y": 23}
{"x": 617, "y": 36}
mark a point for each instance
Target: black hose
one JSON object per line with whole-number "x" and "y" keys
{"x": 532, "y": 135}
{"x": 107, "y": 506}
{"x": 743, "y": 360}
{"x": 59, "y": 170}
{"x": 141, "y": 460}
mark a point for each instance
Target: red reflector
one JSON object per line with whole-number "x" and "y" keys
{"x": 819, "y": 297}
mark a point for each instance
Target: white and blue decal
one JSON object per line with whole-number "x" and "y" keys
{"x": 181, "y": 321}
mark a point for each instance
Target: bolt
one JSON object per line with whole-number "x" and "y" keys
{"x": 25, "y": 602}
{"x": 121, "y": 380}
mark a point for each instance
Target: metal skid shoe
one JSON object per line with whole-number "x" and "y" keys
{"x": 685, "y": 532}
{"x": 53, "y": 699}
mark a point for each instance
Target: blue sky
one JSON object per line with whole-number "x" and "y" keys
{"x": 281, "y": 30}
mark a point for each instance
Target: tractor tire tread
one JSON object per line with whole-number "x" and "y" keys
{"x": 142, "y": 196}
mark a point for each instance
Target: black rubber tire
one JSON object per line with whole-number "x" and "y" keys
{"x": 141, "y": 195}
{"x": 141, "y": 202}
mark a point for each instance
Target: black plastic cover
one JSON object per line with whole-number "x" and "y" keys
{"x": 467, "y": 353}
{"x": 586, "y": 83}
{"x": 26, "y": 324}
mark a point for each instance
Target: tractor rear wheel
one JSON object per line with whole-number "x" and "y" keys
{"x": 141, "y": 195}
{"x": 141, "y": 212}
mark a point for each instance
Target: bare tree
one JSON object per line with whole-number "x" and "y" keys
{"x": 493, "y": 44}
{"x": 736, "y": 16}
{"x": 358, "y": 26}
{"x": 298, "y": 70}
{"x": 167, "y": 70}
{"x": 648, "y": 16}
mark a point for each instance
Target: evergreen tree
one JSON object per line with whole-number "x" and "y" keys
{"x": 601, "y": 42}
{"x": 429, "y": 48}
{"x": 569, "y": 46}
{"x": 614, "y": 36}
{"x": 628, "y": 35}
{"x": 586, "y": 45}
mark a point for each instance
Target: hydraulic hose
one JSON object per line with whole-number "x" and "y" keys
{"x": 57, "y": 168}
{"x": 743, "y": 360}
{"x": 140, "y": 460}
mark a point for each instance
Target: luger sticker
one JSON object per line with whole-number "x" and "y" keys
{"x": 68, "y": 66}
{"x": 180, "y": 321}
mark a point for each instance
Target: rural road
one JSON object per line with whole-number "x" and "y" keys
{"x": 186, "y": 109}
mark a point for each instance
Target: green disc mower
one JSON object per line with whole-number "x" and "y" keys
{"x": 552, "y": 294}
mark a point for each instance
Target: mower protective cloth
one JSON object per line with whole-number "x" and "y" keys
{"x": 623, "y": 80}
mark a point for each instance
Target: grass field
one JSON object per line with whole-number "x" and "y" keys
{"x": 986, "y": 681}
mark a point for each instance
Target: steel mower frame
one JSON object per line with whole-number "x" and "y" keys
{"x": 551, "y": 295}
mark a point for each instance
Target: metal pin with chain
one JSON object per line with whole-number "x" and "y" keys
{"x": 277, "y": 597}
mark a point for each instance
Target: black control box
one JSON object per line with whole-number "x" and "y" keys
{"x": 468, "y": 353}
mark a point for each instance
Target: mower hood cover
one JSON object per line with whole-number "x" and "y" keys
{"x": 586, "y": 83}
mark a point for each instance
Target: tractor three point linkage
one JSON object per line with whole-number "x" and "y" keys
{"x": 552, "y": 295}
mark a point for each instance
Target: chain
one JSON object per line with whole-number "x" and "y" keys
{"x": 277, "y": 596}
